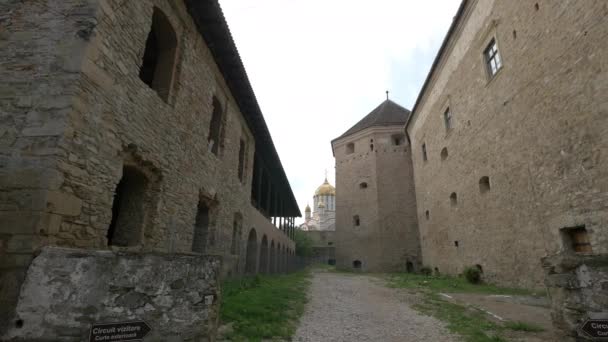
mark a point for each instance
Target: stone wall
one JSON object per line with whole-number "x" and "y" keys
{"x": 387, "y": 236}
{"x": 68, "y": 290}
{"x": 538, "y": 129}
{"x": 77, "y": 118}
{"x": 578, "y": 287}
{"x": 323, "y": 246}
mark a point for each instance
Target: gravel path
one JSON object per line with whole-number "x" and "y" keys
{"x": 356, "y": 308}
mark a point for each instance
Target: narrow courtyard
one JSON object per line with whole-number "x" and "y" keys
{"x": 353, "y": 307}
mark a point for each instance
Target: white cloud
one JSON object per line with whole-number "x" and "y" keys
{"x": 318, "y": 66}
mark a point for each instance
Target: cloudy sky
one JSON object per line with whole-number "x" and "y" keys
{"x": 319, "y": 66}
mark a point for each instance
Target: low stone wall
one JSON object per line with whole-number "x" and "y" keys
{"x": 578, "y": 287}
{"x": 66, "y": 291}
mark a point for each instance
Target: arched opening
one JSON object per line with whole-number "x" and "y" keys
{"x": 283, "y": 260}
{"x": 273, "y": 258}
{"x": 484, "y": 184}
{"x": 128, "y": 214}
{"x": 237, "y": 230}
{"x": 252, "y": 253}
{"x": 159, "y": 55}
{"x": 444, "y": 153}
{"x": 357, "y": 264}
{"x": 277, "y": 260}
{"x": 454, "y": 199}
{"x": 201, "y": 227}
{"x": 264, "y": 255}
{"x": 409, "y": 267}
{"x": 215, "y": 127}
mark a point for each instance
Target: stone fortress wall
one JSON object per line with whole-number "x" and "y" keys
{"x": 94, "y": 154}
{"x": 537, "y": 130}
{"x": 375, "y": 204}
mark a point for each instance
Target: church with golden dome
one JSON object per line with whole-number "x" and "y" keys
{"x": 323, "y": 218}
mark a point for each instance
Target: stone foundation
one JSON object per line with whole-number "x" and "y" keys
{"x": 578, "y": 288}
{"x": 68, "y": 290}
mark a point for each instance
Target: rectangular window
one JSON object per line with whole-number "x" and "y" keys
{"x": 241, "y": 169}
{"x": 424, "y": 156}
{"x": 579, "y": 239}
{"x": 447, "y": 118}
{"x": 492, "y": 57}
{"x": 356, "y": 221}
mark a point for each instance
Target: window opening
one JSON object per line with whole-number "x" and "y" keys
{"x": 241, "y": 169}
{"x": 357, "y": 264}
{"x": 492, "y": 57}
{"x": 447, "y": 118}
{"x": 444, "y": 153}
{"x": 424, "y": 155}
{"x": 201, "y": 228}
{"x": 363, "y": 185}
{"x": 356, "y": 221}
{"x": 350, "y": 148}
{"x": 454, "y": 199}
{"x": 484, "y": 184}
{"x": 215, "y": 127}
{"x": 578, "y": 239}
{"x": 159, "y": 55}
{"x": 128, "y": 209}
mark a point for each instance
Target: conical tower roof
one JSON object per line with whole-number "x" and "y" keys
{"x": 388, "y": 113}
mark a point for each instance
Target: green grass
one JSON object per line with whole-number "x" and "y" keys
{"x": 523, "y": 326}
{"x": 264, "y": 307}
{"x": 443, "y": 283}
{"x": 470, "y": 323}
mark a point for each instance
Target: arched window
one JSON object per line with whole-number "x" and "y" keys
{"x": 454, "y": 199}
{"x": 237, "y": 223}
{"x": 273, "y": 258}
{"x": 484, "y": 184}
{"x": 264, "y": 266}
{"x": 215, "y": 127}
{"x": 444, "y": 153}
{"x": 252, "y": 253}
{"x": 159, "y": 55}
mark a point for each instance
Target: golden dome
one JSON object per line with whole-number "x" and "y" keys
{"x": 325, "y": 189}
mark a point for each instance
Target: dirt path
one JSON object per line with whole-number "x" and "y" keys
{"x": 356, "y": 308}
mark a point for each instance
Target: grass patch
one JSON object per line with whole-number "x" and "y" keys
{"x": 470, "y": 323}
{"x": 444, "y": 283}
{"x": 523, "y": 326}
{"x": 264, "y": 307}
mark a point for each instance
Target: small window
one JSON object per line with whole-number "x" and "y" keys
{"x": 578, "y": 239}
{"x": 363, "y": 185}
{"x": 357, "y": 264}
{"x": 456, "y": 243}
{"x": 242, "y": 151}
{"x": 492, "y": 58}
{"x": 330, "y": 243}
{"x": 159, "y": 56}
{"x": 424, "y": 155}
{"x": 236, "y": 234}
{"x": 484, "y": 184}
{"x": 356, "y": 221}
{"x": 454, "y": 199}
{"x": 447, "y": 118}
{"x": 427, "y": 214}
{"x": 350, "y": 148}
{"x": 215, "y": 127}
{"x": 444, "y": 153}
{"x": 371, "y": 147}
{"x": 398, "y": 140}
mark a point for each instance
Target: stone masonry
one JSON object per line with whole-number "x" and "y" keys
{"x": 131, "y": 126}
{"x": 68, "y": 290}
{"x": 522, "y": 168}
{"x": 376, "y": 223}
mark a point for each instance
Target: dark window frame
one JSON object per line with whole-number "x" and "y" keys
{"x": 492, "y": 58}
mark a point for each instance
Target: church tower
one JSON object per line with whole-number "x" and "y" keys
{"x": 376, "y": 221}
